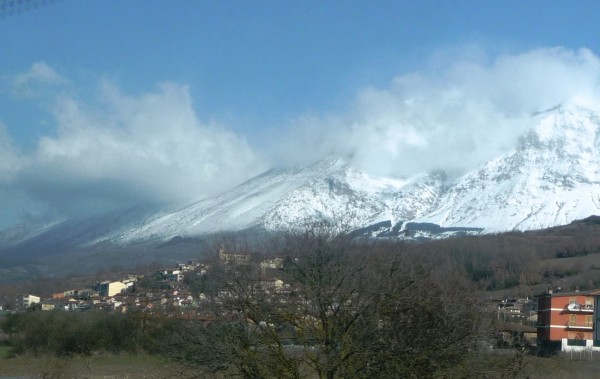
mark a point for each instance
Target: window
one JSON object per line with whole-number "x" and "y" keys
{"x": 572, "y": 320}
{"x": 589, "y": 321}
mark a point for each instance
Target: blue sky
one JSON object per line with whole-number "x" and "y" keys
{"x": 84, "y": 84}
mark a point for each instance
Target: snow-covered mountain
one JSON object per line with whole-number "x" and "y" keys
{"x": 329, "y": 191}
{"x": 551, "y": 178}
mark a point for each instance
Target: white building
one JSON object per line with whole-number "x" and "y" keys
{"x": 25, "y": 301}
{"x": 111, "y": 288}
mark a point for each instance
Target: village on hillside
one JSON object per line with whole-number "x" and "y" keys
{"x": 168, "y": 291}
{"x": 557, "y": 320}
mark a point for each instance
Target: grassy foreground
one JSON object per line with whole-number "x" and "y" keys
{"x": 107, "y": 366}
{"x": 95, "y": 366}
{"x": 564, "y": 366}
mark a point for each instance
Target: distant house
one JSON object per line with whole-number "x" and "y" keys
{"x": 174, "y": 276}
{"x": 169, "y": 275}
{"x": 77, "y": 294}
{"x": 189, "y": 266}
{"x": 48, "y": 306}
{"x": 72, "y": 305}
{"x": 271, "y": 263}
{"x": 25, "y": 301}
{"x": 569, "y": 321}
{"x": 109, "y": 288}
{"x": 233, "y": 258}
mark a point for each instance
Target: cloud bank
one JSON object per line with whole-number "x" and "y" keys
{"x": 463, "y": 110}
{"x": 116, "y": 150}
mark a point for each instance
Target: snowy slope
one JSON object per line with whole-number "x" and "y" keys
{"x": 350, "y": 199}
{"x": 327, "y": 191}
{"x": 552, "y": 178}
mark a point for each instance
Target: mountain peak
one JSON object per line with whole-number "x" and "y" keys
{"x": 330, "y": 162}
{"x": 567, "y": 129}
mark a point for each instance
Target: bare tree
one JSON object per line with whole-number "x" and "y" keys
{"x": 345, "y": 311}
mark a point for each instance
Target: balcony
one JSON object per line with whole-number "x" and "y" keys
{"x": 580, "y": 325}
{"x": 584, "y": 308}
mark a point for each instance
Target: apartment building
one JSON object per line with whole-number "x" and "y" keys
{"x": 569, "y": 320}
{"x": 25, "y": 301}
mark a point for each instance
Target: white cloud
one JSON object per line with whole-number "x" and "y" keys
{"x": 465, "y": 109}
{"x": 119, "y": 150}
{"x": 37, "y": 80}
